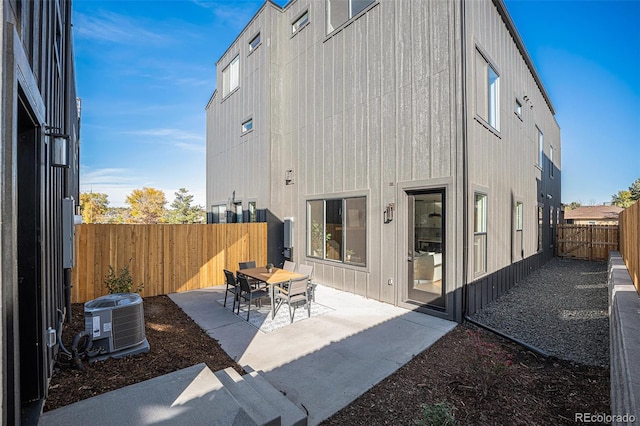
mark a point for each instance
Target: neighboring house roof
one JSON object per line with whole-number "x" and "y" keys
{"x": 594, "y": 212}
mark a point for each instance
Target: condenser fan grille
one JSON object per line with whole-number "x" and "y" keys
{"x": 128, "y": 326}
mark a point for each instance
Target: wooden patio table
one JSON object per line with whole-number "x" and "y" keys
{"x": 277, "y": 276}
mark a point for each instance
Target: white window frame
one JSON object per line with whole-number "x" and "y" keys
{"x": 519, "y": 215}
{"x": 254, "y": 43}
{"x": 247, "y": 126}
{"x": 480, "y": 237}
{"x": 540, "y": 148}
{"x": 301, "y": 21}
{"x": 231, "y": 76}
{"x": 487, "y": 91}
{"x": 518, "y": 108}
{"x": 351, "y": 13}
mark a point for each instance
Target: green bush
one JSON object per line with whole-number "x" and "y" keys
{"x": 440, "y": 414}
{"x": 122, "y": 282}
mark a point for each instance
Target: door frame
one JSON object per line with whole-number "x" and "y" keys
{"x": 402, "y": 214}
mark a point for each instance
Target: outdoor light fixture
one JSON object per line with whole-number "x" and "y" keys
{"x": 288, "y": 177}
{"x": 388, "y": 212}
{"x": 59, "y": 148}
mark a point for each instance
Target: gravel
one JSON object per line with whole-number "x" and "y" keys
{"x": 562, "y": 309}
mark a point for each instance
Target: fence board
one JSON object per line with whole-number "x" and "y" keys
{"x": 630, "y": 241}
{"x": 166, "y": 258}
{"x": 587, "y": 242}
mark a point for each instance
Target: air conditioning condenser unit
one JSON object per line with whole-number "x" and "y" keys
{"x": 116, "y": 324}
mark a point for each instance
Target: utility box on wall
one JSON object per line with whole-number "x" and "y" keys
{"x": 68, "y": 231}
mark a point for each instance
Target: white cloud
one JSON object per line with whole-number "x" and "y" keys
{"x": 114, "y": 28}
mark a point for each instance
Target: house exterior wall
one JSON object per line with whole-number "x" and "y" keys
{"x": 38, "y": 100}
{"x": 380, "y": 107}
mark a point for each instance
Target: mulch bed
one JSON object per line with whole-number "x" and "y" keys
{"x": 486, "y": 379}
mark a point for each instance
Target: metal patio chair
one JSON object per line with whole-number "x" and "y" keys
{"x": 250, "y": 294}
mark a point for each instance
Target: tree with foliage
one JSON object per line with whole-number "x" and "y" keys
{"x": 573, "y": 205}
{"x": 147, "y": 205}
{"x": 625, "y": 198}
{"x": 182, "y": 211}
{"x": 93, "y": 206}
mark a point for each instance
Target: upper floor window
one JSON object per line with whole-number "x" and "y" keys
{"x": 551, "y": 161}
{"x": 518, "y": 108}
{"x": 219, "y": 213}
{"x": 540, "y": 147}
{"x": 254, "y": 43}
{"x": 300, "y": 22}
{"x": 487, "y": 91}
{"x": 231, "y": 76}
{"x": 340, "y": 11}
{"x": 247, "y": 125}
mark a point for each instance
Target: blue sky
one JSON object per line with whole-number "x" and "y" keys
{"x": 146, "y": 69}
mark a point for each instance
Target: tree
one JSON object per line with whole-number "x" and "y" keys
{"x": 635, "y": 190}
{"x": 573, "y": 205}
{"x": 147, "y": 205}
{"x": 93, "y": 206}
{"x": 182, "y": 211}
{"x": 622, "y": 199}
{"x": 625, "y": 198}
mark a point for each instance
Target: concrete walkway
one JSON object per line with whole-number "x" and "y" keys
{"x": 322, "y": 363}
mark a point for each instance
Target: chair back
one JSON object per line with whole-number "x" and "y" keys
{"x": 230, "y": 278}
{"x": 289, "y": 266}
{"x": 297, "y": 287}
{"x": 244, "y": 284}
{"x": 305, "y": 270}
{"x": 247, "y": 265}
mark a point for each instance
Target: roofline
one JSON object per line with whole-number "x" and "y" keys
{"x": 502, "y": 9}
{"x": 258, "y": 12}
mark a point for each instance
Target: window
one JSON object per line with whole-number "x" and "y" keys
{"x": 252, "y": 211}
{"x": 336, "y": 230}
{"x": 247, "y": 125}
{"x": 254, "y": 43}
{"x": 487, "y": 91}
{"x": 540, "y": 222}
{"x": 231, "y": 76}
{"x": 219, "y": 213}
{"x": 480, "y": 233}
{"x": 300, "y": 22}
{"x": 340, "y": 11}
{"x": 518, "y": 216}
{"x": 540, "y": 147}
{"x": 551, "y": 161}
{"x": 553, "y": 234}
{"x": 238, "y": 217}
{"x": 518, "y": 108}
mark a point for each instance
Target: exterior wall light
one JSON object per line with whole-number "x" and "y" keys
{"x": 388, "y": 212}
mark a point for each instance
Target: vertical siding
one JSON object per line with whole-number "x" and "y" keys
{"x": 505, "y": 164}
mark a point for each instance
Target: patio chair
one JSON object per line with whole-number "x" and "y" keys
{"x": 250, "y": 294}
{"x": 289, "y": 266}
{"x": 232, "y": 287}
{"x": 297, "y": 292}
{"x": 308, "y": 271}
{"x": 248, "y": 265}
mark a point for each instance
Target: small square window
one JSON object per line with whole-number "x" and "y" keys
{"x": 247, "y": 125}
{"x": 518, "y": 108}
{"x": 254, "y": 43}
{"x": 300, "y": 22}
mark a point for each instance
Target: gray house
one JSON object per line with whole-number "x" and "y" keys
{"x": 409, "y": 146}
{"x": 39, "y": 159}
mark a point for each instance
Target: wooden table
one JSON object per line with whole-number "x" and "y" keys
{"x": 277, "y": 276}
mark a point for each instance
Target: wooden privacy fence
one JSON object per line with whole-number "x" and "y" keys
{"x": 588, "y": 242}
{"x": 630, "y": 241}
{"x": 166, "y": 258}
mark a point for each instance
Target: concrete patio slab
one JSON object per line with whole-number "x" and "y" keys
{"x": 322, "y": 363}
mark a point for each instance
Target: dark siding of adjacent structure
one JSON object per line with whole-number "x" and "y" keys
{"x": 38, "y": 104}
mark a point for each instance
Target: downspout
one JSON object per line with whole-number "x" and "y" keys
{"x": 465, "y": 165}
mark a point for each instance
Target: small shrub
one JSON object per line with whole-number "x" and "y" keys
{"x": 440, "y": 414}
{"x": 489, "y": 362}
{"x": 122, "y": 282}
